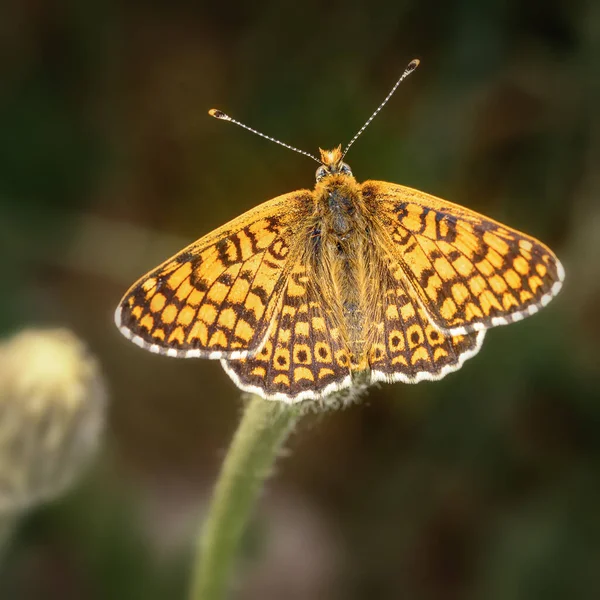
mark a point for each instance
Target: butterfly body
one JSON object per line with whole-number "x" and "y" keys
{"x": 300, "y": 294}
{"x": 337, "y": 253}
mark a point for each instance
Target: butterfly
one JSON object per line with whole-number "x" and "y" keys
{"x": 310, "y": 291}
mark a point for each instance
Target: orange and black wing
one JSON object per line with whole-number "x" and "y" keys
{"x": 216, "y": 297}
{"x": 407, "y": 347}
{"x": 305, "y": 355}
{"x": 469, "y": 272}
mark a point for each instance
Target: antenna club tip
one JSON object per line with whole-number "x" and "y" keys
{"x": 413, "y": 64}
{"x": 217, "y": 114}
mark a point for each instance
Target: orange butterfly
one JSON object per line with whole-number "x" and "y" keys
{"x": 312, "y": 291}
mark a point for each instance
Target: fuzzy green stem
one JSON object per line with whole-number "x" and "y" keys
{"x": 264, "y": 427}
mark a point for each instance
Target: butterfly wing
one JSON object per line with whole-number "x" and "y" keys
{"x": 469, "y": 272}
{"x": 305, "y": 354}
{"x": 215, "y": 298}
{"x": 407, "y": 347}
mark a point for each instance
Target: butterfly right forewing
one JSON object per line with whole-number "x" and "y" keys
{"x": 468, "y": 271}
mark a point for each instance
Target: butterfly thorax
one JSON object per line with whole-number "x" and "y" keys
{"x": 338, "y": 203}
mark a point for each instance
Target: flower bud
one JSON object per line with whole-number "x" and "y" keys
{"x": 52, "y": 404}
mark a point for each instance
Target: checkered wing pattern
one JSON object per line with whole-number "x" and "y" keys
{"x": 469, "y": 272}
{"x": 216, "y": 297}
{"x": 407, "y": 346}
{"x": 305, "y": 354}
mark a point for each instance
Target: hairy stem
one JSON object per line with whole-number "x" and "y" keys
{"x": 264, "y": 427}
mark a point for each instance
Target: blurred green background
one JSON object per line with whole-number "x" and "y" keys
{"x": 485, "y": 485}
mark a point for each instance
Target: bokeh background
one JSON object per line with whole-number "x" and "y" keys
{"x": 485, "y": 485}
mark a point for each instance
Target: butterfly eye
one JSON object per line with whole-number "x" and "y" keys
{"x": 321, "y": 172}
{"x": 345, "y": 169}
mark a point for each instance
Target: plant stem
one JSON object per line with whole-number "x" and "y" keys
{"x": 264, "y": 427}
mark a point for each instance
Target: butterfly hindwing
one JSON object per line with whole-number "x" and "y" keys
{"x": 304, "y": 355}
{"x": 408, "y": 347}
{"x": 216, "y": 297}
{"x": 469, "y": 272}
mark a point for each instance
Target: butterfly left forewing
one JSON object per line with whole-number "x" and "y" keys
{"x": 469, "y": 272}
{"x": 215, "y": 298}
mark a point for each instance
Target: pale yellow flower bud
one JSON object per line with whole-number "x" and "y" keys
{"x": 52, "y": 405}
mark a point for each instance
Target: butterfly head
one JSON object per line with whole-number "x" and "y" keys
{"x": 332, "y": 163}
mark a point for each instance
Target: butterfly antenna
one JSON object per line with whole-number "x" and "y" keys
{"x": 412, "y": 65}
{"x": 217, "y": 114}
